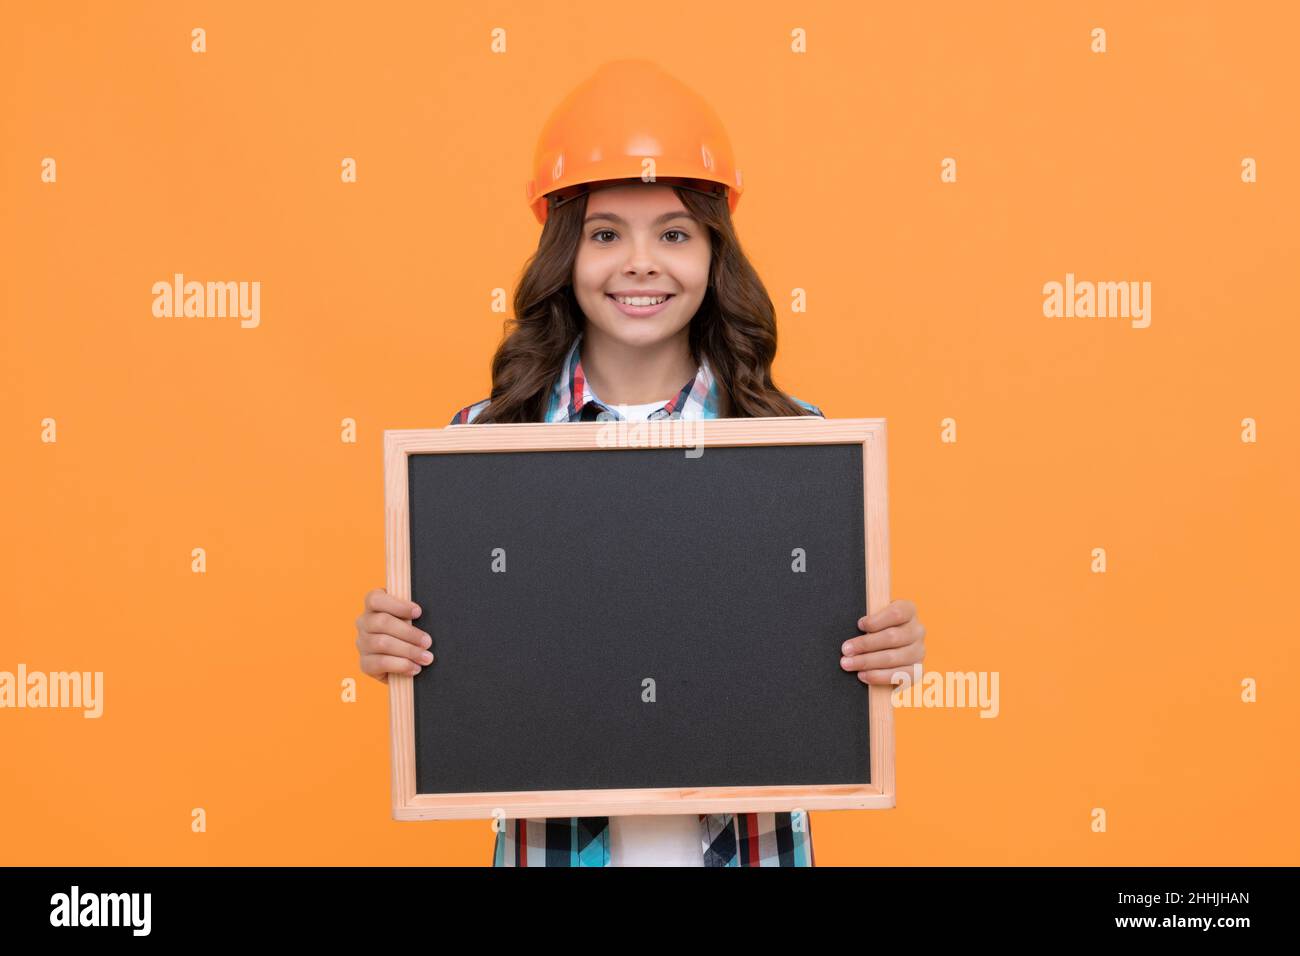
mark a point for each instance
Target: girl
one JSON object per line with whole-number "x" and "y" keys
{"x": 639, "y": 304}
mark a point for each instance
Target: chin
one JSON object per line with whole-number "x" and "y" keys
{"x": 642, "y": 334}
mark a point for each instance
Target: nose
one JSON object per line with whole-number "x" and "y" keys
{"x": 640, "y": 259}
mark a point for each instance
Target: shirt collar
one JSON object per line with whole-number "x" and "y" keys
{"x": 572, "y": 398}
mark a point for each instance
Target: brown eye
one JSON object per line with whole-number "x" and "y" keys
{"x": 601, "y": 232}
{"x": 679, "y": 232}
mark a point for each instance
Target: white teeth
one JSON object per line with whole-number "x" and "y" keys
{"x": 641, "y": 300}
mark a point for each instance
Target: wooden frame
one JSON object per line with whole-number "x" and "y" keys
{"x": 588, "y": 436}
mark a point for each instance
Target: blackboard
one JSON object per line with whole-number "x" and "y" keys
{"x": 622, "y": 628}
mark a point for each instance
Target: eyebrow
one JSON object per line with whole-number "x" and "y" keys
{"x": 681, "y": 214}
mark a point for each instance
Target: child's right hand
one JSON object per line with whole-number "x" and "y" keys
{"x": 389, "y": 643}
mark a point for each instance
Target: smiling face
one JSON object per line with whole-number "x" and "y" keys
{"x": 639, "y": 237}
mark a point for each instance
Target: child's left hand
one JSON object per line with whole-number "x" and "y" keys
{"x": 895, "y": 640}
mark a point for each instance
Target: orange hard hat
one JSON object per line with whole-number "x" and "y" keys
{"x": 626, "y": 113}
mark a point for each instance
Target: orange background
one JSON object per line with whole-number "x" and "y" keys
{"x": 222, "y": 690}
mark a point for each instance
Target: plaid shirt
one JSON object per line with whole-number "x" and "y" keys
{"x": 727, "y": 839}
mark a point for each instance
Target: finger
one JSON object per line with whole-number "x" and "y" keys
{"x": 890, "y": 657}
{"x": 393, "y": 647}
{"x": 890, "y": 637}
{"x": 889, "y": 676}
{"x": 381, "y": 600}
{"x": 893, "y": 614}
{"x": 900, "y": 678}
{"x": 381, "y": 623}
{"x": 376, "y": 664}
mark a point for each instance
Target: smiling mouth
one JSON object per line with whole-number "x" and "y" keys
{"x": 653, "y": 308}
{"x": 664, "y": 296}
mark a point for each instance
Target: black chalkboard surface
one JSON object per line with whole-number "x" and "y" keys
{"x": 636, "y": 623}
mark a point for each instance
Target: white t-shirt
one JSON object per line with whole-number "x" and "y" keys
{"x": 638, "y": 413}
{"x": 664, "y": 839}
